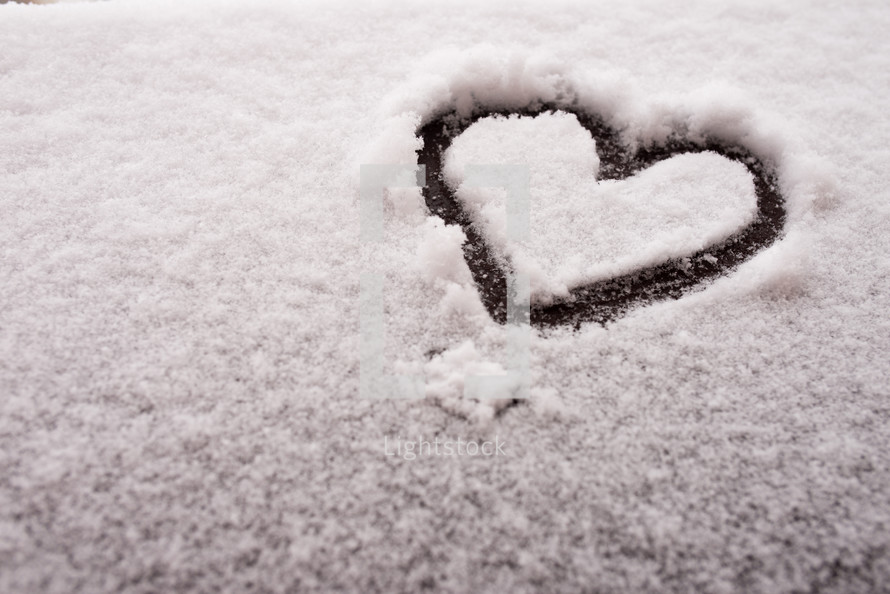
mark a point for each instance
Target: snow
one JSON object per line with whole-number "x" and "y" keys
{"x": 181, "y": 255}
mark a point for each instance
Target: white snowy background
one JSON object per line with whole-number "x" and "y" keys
{"x": 179, "y": 284}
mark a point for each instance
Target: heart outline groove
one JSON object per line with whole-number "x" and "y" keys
{"x": 605, "y": 300}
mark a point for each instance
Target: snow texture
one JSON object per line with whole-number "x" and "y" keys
{"x": 179, "y": 306}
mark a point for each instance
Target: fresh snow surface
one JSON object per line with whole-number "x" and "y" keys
{"x": 181, "y": 272}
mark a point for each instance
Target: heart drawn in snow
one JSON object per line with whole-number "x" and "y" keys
{"x": 683, "y": 265}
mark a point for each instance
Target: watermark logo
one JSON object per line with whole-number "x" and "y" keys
{"x": 374, "y": 382}
{"x": 409, "y": 449}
